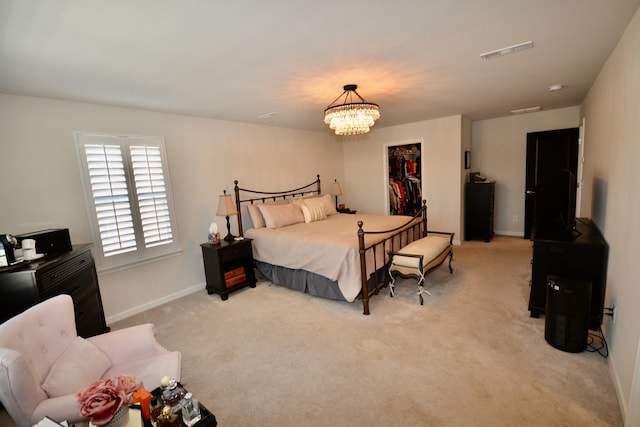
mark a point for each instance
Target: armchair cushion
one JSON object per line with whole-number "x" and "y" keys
{"x": 81, "y": 364}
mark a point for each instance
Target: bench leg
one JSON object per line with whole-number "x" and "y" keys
{"x": 392, "y": 282}
{"x": 450, "y": 261}
{"x": 421, "y": 289}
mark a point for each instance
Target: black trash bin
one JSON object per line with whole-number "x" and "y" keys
{"x": 566, "y": 325}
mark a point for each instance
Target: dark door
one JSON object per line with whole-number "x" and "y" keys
{"x": 552, "y": 163}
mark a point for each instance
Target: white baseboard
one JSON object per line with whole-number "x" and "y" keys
{"x": 155, "y": 303}
{"x": 510, "y": 233}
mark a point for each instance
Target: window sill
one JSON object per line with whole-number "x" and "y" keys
{"x": 134, "y": 264}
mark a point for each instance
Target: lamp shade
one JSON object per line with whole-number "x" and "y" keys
{"x": 226, "y": 205}
{"x": 335, "y": 189}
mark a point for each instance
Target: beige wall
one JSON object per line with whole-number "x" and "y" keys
{"x": 41, "y": 185}
{"x": 499, "y": 152}
{"x": 366, "y": 169}
{"x": 611, "y": 182}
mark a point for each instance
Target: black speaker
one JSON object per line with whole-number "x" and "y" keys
{"x": 50, "y": 242}
{"x": 566, "y": 325}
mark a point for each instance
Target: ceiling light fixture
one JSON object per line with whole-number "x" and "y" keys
{"x": 346, "y": 117}
{"x": 555, "y": 88}
{"x": 525, "y": 110}
{"x": 507, "y": 50}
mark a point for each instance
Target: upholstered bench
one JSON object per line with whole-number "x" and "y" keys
{"x": 420, "y": 257}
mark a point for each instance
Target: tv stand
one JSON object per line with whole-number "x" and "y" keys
{"x": 580, "y": 254}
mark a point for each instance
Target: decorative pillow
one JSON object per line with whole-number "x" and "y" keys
{"x": 326, "y": 201}
{"x": 82, "y": 364}
{"x": 313, "y": 212}
{"x": 276, "y": 216}
{"x": 298, "y": 202}
{"x": 256, "y": 216}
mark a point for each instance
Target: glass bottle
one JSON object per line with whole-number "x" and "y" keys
{"x": 156, "y": 410}
{"x": 172, "y": 395}
{"x": 168, "y": 418}
{"x": 190, "y": 410}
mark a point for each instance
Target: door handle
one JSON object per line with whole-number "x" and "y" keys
{"x": 530, "y": 192}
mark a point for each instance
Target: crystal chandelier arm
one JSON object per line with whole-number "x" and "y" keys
{"x": 339, "y": 96}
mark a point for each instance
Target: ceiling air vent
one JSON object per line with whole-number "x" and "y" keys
{"x": 507, "y": 50}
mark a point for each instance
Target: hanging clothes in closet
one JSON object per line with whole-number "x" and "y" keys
{"x": 405, "y": 184}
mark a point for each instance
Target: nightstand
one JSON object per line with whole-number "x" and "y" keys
{"x": 346, "y": 210}
{"x": 228, "y": 266}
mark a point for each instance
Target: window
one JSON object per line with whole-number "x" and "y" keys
{"x": 128, "y": 196}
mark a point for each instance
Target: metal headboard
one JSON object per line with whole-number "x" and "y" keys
{"x": 264, "y": 196}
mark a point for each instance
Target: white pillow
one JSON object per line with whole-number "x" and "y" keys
{"x": 276, "y": 216}
{"x": 256, "y": 216}
{"x": 326, "y": 201}
{"x": 313, "y": 212}
{"x": 79, "y": 366}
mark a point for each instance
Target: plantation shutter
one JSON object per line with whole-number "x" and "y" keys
{"x": 146, "y": 162}
{"x": 108, "y": 180}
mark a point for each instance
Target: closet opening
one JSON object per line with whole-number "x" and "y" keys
{"x": 404, "y": 178}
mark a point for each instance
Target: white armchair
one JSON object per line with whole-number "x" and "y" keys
{"x": 43, "y": 362}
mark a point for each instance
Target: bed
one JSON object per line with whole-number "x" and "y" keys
{"x": 301, "y": 242}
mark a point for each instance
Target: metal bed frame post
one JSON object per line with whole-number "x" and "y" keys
{"x": 236, "y": 190}
{"x": 362, "y": 249}
{"x": 363, "y": 269}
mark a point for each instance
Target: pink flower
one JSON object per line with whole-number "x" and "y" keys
{"x": 103, "y": 399}
{"x": 126, "y": 383}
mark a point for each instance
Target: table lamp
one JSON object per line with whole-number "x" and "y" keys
{"x": 226, "y": 207}
{"x": 336, "y": 191}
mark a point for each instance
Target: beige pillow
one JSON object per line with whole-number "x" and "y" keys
{"x": 256, "y": 216}
{"x": 79, "y": 366}
{"x": 329, "y": 204}
{"x": 313, "y": 212}
{"x": 276, "y": 216}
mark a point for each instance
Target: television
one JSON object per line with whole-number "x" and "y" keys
{"x": 570, "y": 190}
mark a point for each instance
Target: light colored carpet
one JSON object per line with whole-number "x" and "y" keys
{"x": 471, "y": 356}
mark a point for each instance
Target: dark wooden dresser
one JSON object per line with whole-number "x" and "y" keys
{"x": 71, "y": 273}
{"x": 580, "y": 255}
{"x": 478, "y": 211}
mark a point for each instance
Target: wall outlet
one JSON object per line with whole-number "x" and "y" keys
{"x": 516, "y": 218}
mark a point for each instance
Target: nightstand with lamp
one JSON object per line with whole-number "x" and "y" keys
{"x": 228, "y": 265}
{"x": 336, "y": 191}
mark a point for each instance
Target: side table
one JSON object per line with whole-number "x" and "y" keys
{"x": 228, "y": 266}
{"x": 207, "y": 420}
{"x": 346, "y": 211}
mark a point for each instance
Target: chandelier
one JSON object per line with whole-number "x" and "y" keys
{"x": 348, "y": 117}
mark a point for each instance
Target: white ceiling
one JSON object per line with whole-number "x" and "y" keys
{"x": 237, "y": 60}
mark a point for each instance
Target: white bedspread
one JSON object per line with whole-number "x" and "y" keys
{"x": 328, "y": 247}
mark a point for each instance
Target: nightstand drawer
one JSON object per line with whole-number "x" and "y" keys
{"x": 237, "y": 250}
